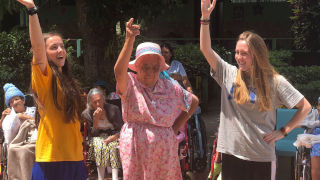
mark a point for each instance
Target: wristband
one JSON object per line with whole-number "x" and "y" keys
{"x": 32, "y": 11}
{"x": 283, "y": 131}
{"x": 205, "y": 21}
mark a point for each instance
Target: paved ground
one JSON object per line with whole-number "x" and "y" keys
{"x": 211, "y": 118}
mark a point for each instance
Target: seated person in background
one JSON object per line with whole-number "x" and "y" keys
{"x": 104, "y": 124}
{"x": 111, "y": 98}
{"x": 176, "y": 70}
{"x": 315, "y": 151}
{"x": 16, "y": 113}
{"x": 20, "y": 134}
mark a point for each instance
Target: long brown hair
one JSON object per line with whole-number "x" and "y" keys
{"x": 72, "y": 103}
{"x": 261, "y": 75}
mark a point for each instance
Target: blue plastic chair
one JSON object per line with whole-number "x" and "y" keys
{"x": 284, "y": 147}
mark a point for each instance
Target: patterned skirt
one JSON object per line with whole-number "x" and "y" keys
{"x": 104, "y": 155}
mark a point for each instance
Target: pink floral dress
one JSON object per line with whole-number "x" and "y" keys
{"x": 148, "y": 145}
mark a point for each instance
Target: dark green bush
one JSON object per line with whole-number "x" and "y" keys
{"x": 198, "y": 68}
{"x": 15, "y": 58}
{"x": 280, "y": 58}
{"x": 193, "y": 60}
{"x": 300, "y": 74}
{"x": 304, "y": 78}
{"x": 311, "y": 91}
{"x": 306, "y": 23}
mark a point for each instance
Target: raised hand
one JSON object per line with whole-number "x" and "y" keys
{"x": 27, "y": 3}
{"x": 207, "y": 7}
{"x": 132, "y": 30}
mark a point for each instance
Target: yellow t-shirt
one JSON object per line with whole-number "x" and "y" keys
{"x": 57, "y": 140}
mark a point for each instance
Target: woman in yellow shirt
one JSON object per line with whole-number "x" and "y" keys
{"x": 59, "y": 142}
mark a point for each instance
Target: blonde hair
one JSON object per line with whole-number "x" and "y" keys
{"x": 261, "y": 75}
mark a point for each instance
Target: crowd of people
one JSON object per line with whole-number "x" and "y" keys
{"x": 156, "y": 102}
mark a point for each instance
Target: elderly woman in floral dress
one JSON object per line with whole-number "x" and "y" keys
{"x": 154, "y": 107}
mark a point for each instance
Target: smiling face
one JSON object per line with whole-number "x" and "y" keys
{"x": 17, "y": 103}
{"x": 148, "y": 69}
{"x": 243, "y": 56}
{"x": 56, "y": 51}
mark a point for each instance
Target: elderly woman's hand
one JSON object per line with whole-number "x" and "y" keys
{"x": 207, "y": 7}
{"x": 111, "y": 138}
{"x": 132, "y": 30}
{"x": 28, "y": 3}
{"x": 97, "y": 116}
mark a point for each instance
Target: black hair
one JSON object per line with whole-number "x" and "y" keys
{"x": 168, "y": 46}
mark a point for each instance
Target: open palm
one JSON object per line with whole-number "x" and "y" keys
{"x": 207, "y": 7}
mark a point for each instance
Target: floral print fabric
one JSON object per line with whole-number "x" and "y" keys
{"x": 104, "y": 155}
{"x": 148, "y": 145}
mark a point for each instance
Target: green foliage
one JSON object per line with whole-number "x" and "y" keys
{"x": 15, "y": 61}
{"x": 15, "y": 58}
{"x": 301, "y": 74}
{"x": 111, "y": 55}
{"x": 280, "y": 58}
{"x": 311, "y": 91}
{"x": 193, "y": 60}
{"x": 75, "y": 64}
{"x": 303, "y": 78}
{"x": 306, "y": 23}
{"x": 110, "y": 12}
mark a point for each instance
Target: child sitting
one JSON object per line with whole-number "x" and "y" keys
{"x": 16, "y": 113}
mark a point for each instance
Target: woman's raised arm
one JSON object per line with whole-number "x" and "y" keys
{"x": 205, "y": 39}
{"x": 36, "y": 38}
{"x": 121, "y": 66}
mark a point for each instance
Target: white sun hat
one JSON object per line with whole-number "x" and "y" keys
{"x": 148, "y": 48}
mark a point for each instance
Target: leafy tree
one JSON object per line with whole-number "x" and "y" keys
{"x": 97, "y": 21}
{"x": 15, "y": 57}
{"x": 306, "y": 23}
{"x": 304, "y": 78}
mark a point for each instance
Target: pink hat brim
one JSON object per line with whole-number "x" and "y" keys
{"x": 164, "y": 65}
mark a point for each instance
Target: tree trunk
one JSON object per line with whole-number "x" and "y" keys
{"x": 96, "y": 37}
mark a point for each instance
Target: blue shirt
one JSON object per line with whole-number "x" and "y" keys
{"x": 176, "y": 68}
